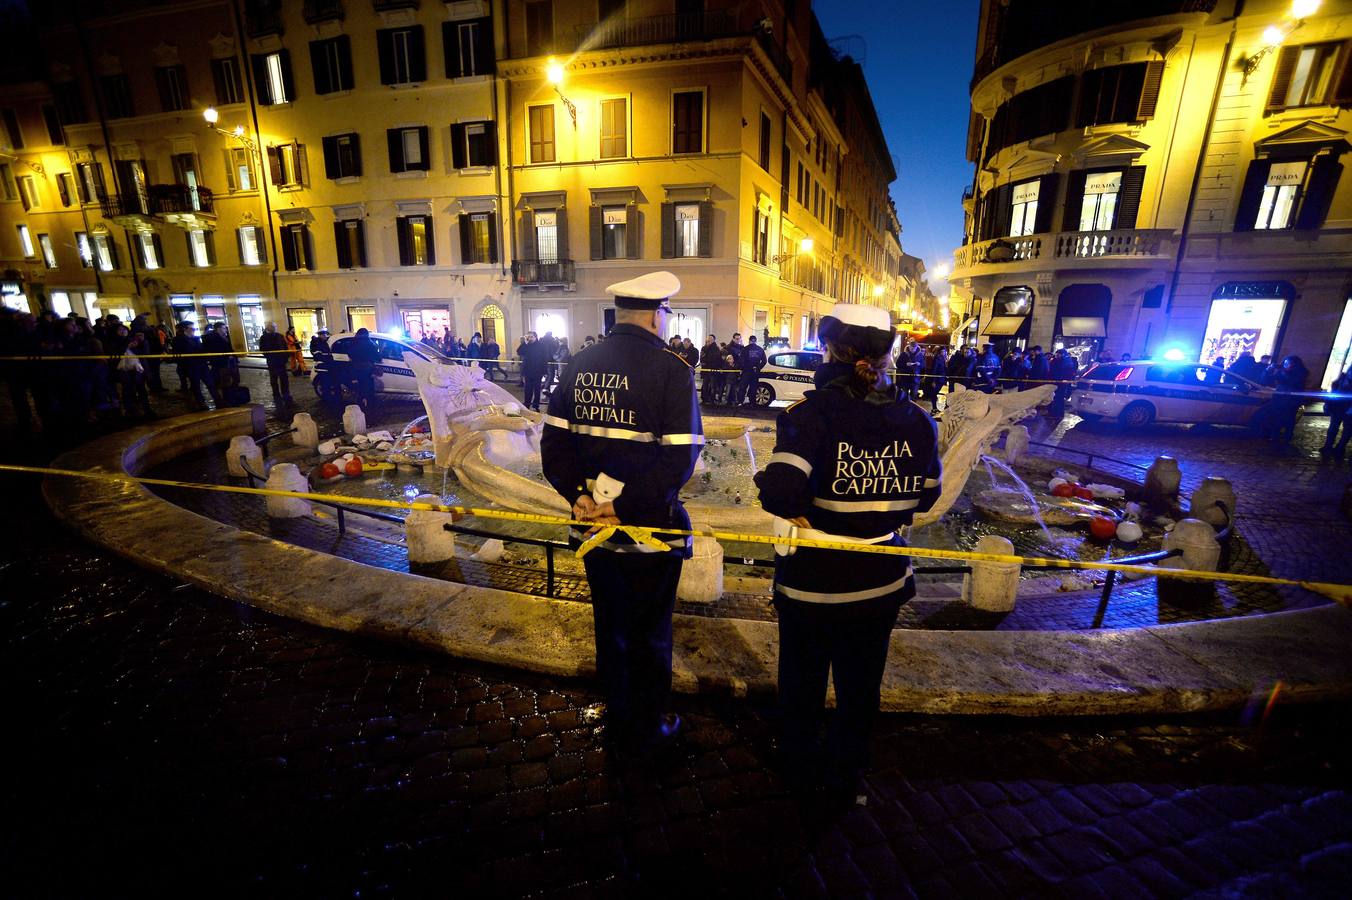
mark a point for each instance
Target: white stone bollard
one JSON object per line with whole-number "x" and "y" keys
{"x": 243, "y": 445}
{"x": 306, "y": 433}
{"x": 1016, "y": 443}
{"x": 1197, "y": 540}
{"x": 427, "y": 540}
{"x": 354, "y": 420}
{"x": 992, "y": 586}
{"x": 1201, "y": 553}
{"x": 1203, "y": 503}
{"x": 287, "y": 477}
{"x": 702, "y": 574}
{"x": 1162, "y": 480}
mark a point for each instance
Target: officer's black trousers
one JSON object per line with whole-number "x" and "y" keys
{"x": 850, "y": 640}
{"x": 632, "y": 598}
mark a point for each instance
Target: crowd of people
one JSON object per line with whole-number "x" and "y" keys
{"x": 923, "y": 371}
{"x": 728, "y": 372}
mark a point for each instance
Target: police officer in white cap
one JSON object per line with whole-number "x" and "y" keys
{"x": 621, "y": 437}
{"x": 854, "y": 460}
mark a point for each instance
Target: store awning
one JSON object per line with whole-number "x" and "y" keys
{"x": 1003, "y": 326}
{"x": 1083, "y": 326}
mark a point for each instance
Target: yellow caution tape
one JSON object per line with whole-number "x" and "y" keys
{"x": 644, "y": 534}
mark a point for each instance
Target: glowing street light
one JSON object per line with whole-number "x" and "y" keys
{"x": 211, "y": 115}
{"x": 554, "y": 72}
{"x": 1272, "y": 36}
{"x": 806, "y": 245}
{"x": 1302, "y": 8}
{"x": 877, "y": 290}
{"x": 941, "y": 270}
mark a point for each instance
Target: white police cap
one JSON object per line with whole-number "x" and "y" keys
{"x": 869, "y": 328}
{"x": 646, "y": 291}
{"x": 862, "y": 315}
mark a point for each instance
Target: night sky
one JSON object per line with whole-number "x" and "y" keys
{"x": 918, "y": 60}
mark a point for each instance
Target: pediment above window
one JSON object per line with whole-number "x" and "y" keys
{"x": 1303, "y": 139}
{"x": 1111, "y": 149}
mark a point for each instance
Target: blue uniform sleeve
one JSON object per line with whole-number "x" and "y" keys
{"x": 786, "y": 481}
{"x": 680, "y": 437}
{"x": 934, "y": 476}
{"x": 558, "y": 446}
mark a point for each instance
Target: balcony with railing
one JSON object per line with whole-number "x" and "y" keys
{"x": 262, "y": 18}
{"x": 317, "y": 11}
{"x": 187, "y": 206}
{"x": 673, "y": 28}
{"x": 1129, "y": 247}
{"x": 133, "y": 210}
{"x": 544, "y": 275}
{"x": 387, "y": 5}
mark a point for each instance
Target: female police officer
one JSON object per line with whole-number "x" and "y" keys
{"x": 853, "y": 462}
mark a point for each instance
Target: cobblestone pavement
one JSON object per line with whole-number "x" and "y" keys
{"x": 163, "y": 740}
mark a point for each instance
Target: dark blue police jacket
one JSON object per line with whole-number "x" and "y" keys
{"x": 856, "y": 464}
{"x": 626, "y": 407}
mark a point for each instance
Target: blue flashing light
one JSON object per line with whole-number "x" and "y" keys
{"x": 1173, "y": 354}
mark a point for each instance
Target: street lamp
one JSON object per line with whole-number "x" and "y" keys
{"x": 1273, "y": 35}
{"x": 804, "y": 246}
{"x": 941, "y": 270}
{"x": 554, "y": 72}
{"x": 212, "y": 116}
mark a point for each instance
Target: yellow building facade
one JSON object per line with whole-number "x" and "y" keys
{"x": 411, "y": 165}
{"x": 1162, "y": 178}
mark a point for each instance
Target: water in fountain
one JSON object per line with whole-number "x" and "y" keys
{"x": 1023, "y": 489}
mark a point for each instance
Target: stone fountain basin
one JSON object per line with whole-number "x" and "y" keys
{"x": 1218, "y": 664}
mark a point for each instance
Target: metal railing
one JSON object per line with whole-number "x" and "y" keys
{"x": 672, "y": 28}
{"x": 550, "y": 547}
{"x": 1121, "y": 243}
{"x": 116, "y": 206}
{"x": 530, "y": 271}
{"x": 323, "y": 11}
{"x": 1060, "y": 448}
{"x": 181, "y": 198}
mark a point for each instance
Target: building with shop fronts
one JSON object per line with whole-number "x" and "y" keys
{"x": 427, "y": 166}
{"x": 723, "y": 141}
{"x": 1162, "y": 178}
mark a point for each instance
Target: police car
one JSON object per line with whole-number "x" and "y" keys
{"x": 393, "y": 375}
{"x": 787, "y": 376}
{"x": 1139, "y": 392}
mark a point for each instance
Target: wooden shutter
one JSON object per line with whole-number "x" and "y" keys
{"x": 289, "y": 248}
{"x": 385, "y": 50}
{"x": 239, "y": 244}
{"x": 528, "y": 250}
{"x": 192, "y": 261}
{"x": 491, "y": 138}
{"x": 1246, "y": 214}
{"x": 1319, "y": 187}
{"x": 331, "y": 165}
{"x": 275, "y": 165}
{"x": 594, "y": 231}
{"x": 1342, "y": 88}
{"x": 466, "y": 240}
{"x": 459, "y": 156}
{"x": 288, "y": 83}
{"x": 1150, "y": 90}
{"x": 360, "y": 228}
{"x": 356, "y": 153}
{"x": 210, "y": 239}
{"x": 402, "y": 238}
{"x": 668, "y": 230}
{"x": 340, "y": 242}
{"x": 706, "y": 229}
{"x": 417, "y": 54}
{"x": 63, "y": 189}
{"x": 1129, "y": 197}
{"x": 320, "y": 66}
{"x": 1001, "y": 214}
{"x": 262, "y": 87}
{"x": 157, "y": 248}
{"x": 562, "y": 219}
{"x": 395, "y": 138}
{"x": 307, "y": 241}
{"x": 344, "y": 63}
{"x": 633, "y": 233}
{"x": 1046, "y": 203}
{"x": 485, "y": 59}
{"x": 450, "y": 48}
{"x": 112, "y": 251}
{"x": 99, "y": 184}
{"x": 425, "y": 149}
{"x": 1281, "y": 80}
{"x": 1070, "y": 215}
{"x": 493, "y": 237}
